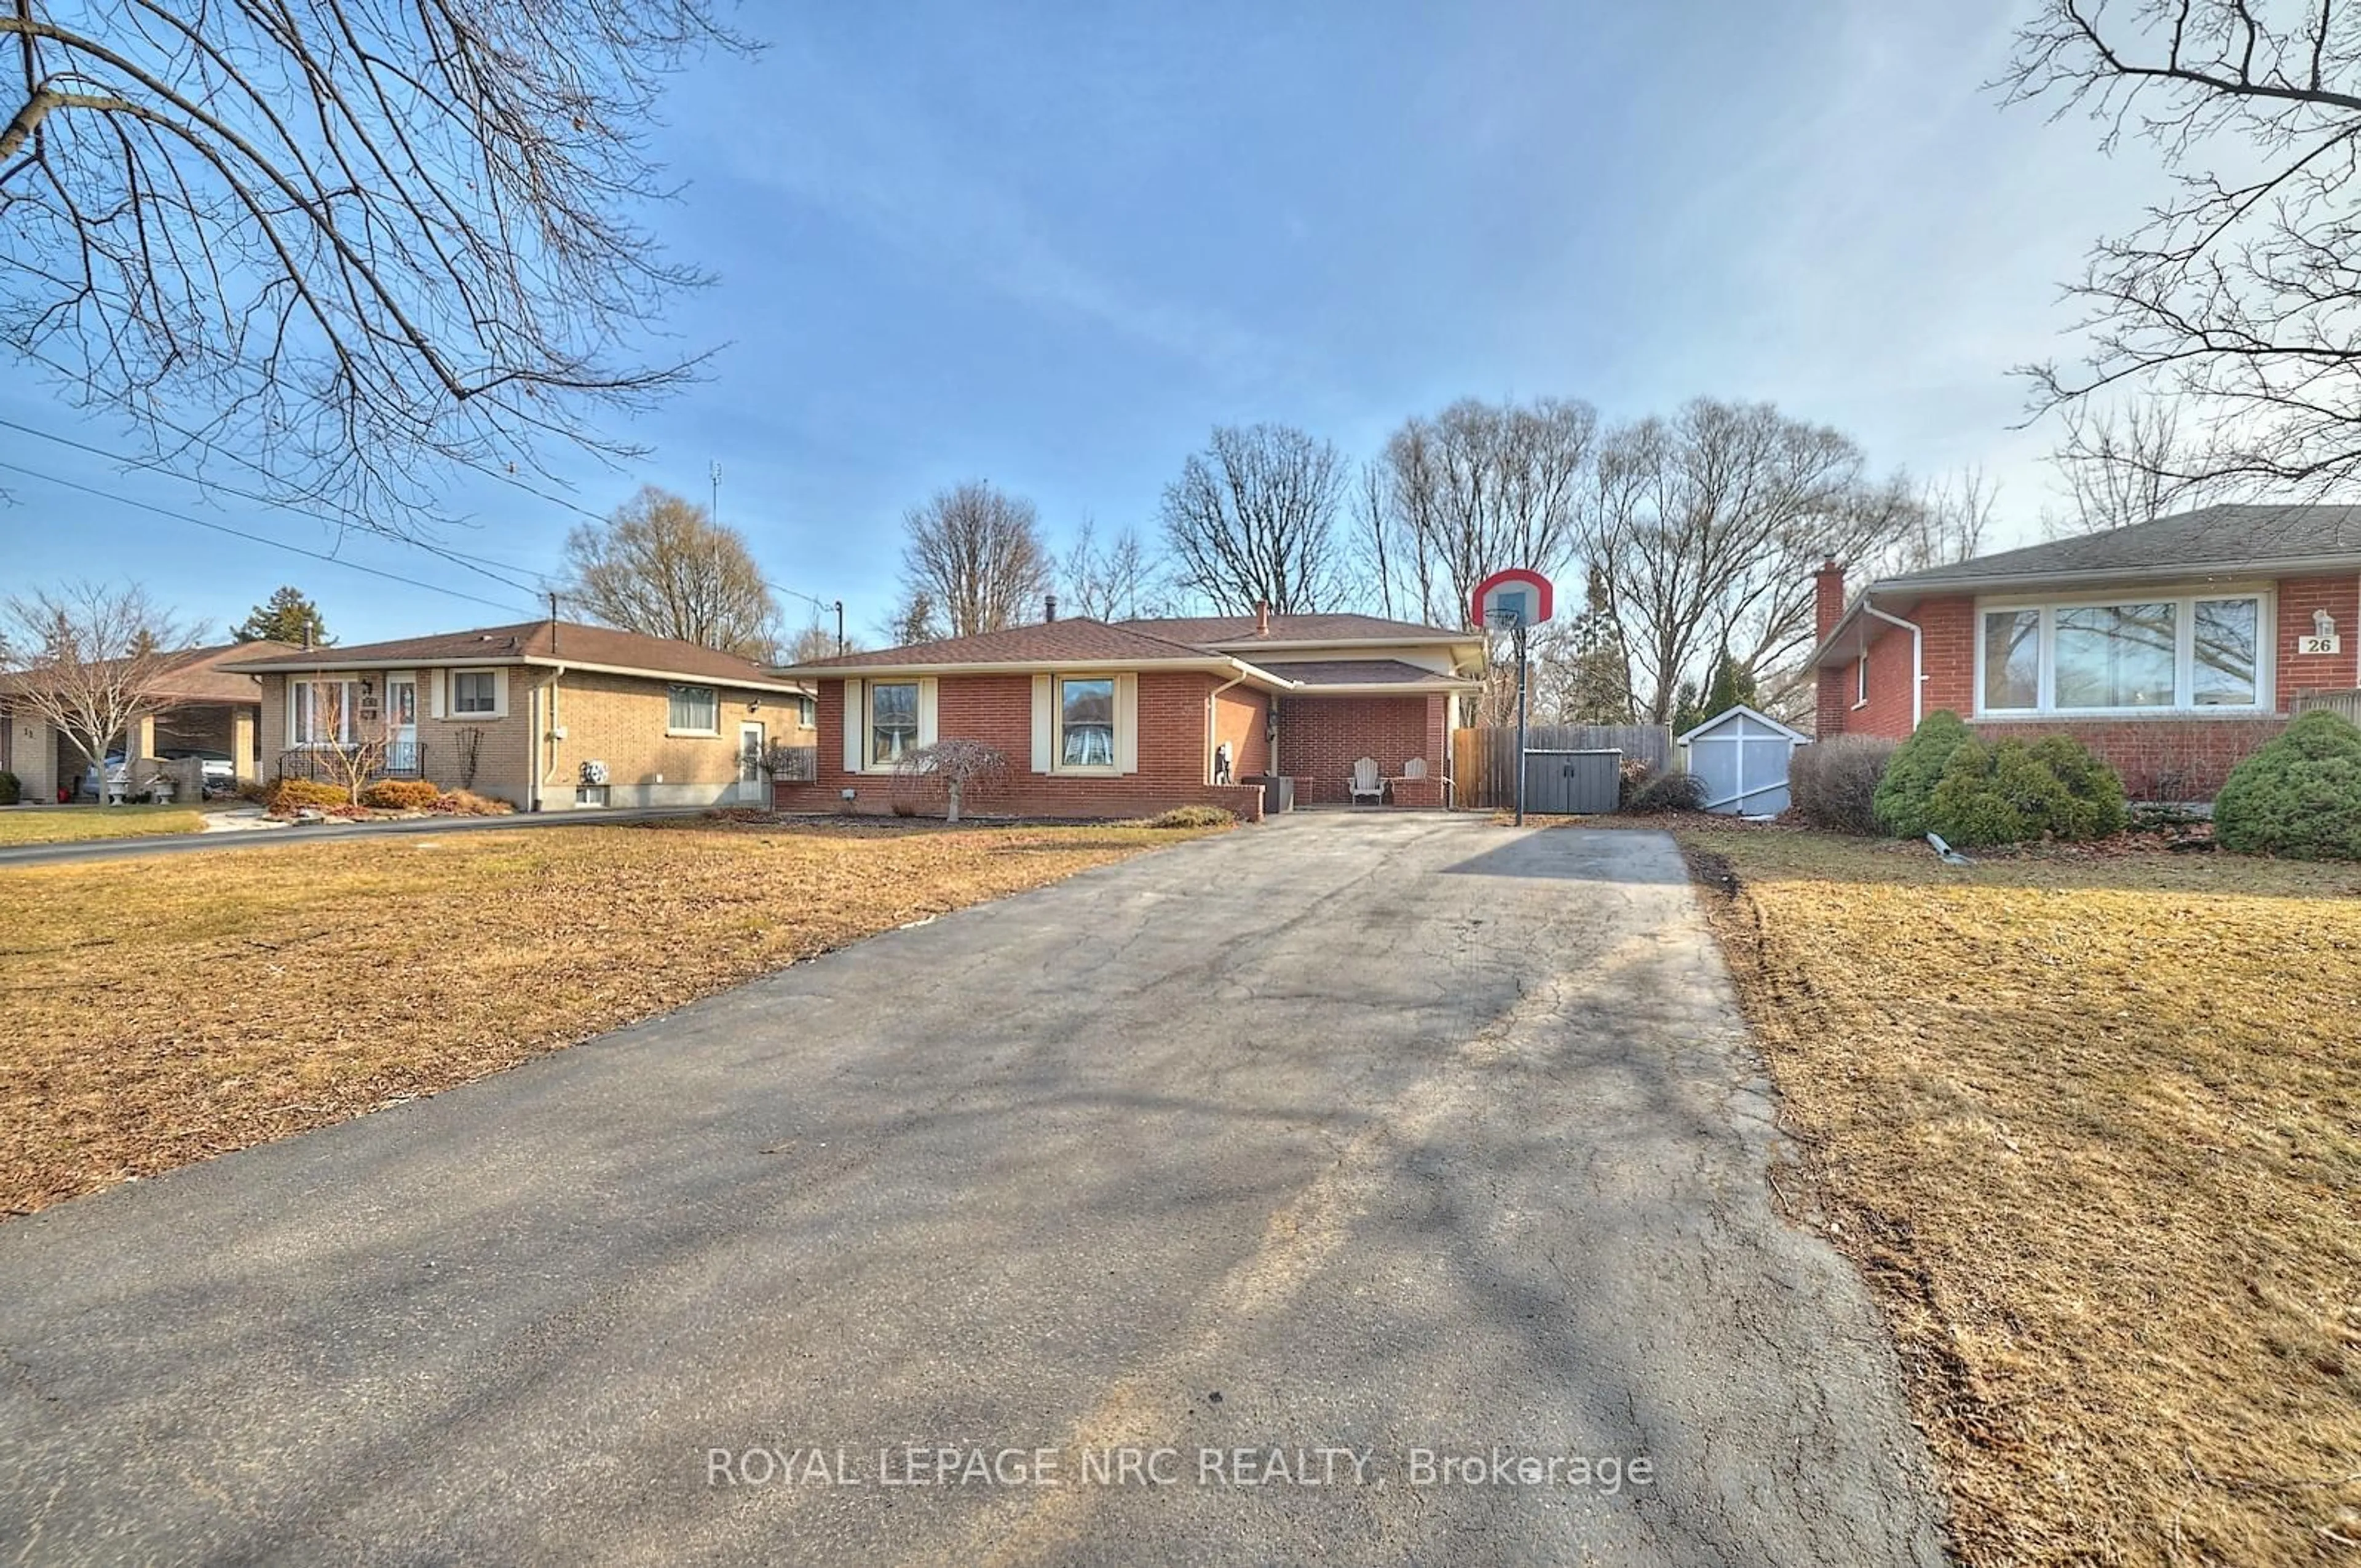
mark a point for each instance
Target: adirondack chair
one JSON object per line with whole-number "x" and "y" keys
{"x": 1366, "y": 784}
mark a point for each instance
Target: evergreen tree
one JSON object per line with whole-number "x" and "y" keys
{"x": 285, "y": 617}
{"x": 1732, "y": 686}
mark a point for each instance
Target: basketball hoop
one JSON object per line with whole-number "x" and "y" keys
{"x": 1514, "y": 601}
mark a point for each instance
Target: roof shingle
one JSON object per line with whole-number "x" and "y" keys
{"x": 2216, "y": 537}
{"x": 542, "y": 641}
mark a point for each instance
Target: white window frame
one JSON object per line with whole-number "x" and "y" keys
{"x": 2184, "y": 601}
{"x": 807, "y": 713}
{"x": 453, "y": 708}
{"x": 297, "y": 686}
{"x": 870, "y": 759}
{"x": 713, "y": 695}
{"x": 1112, "y": 766}
{"x": 1860, "y": 680}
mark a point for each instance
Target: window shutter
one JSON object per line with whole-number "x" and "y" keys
{"x": 926, "y": 710}
{"x": 1126, "y": 724}
{"x": 1044, "y": 723}
{"x": 856, "y": 721}
{"x": 435, "y": 692}
{"x": 499, "y": 694}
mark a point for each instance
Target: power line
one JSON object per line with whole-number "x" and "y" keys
{"x": 252, "y": 538}
{"x": 479, "y": 567}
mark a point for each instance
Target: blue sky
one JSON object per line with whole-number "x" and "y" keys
{"x": 1054, "y": 247}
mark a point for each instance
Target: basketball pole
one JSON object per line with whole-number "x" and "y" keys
{"x": 1520, "y": 720}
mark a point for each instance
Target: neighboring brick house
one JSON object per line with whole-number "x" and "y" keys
{"x": 1100, "y": 718}
{"x": 2171, "y": 648}
{"x": 201, "y": 709}
{"x": 533, "y": 713}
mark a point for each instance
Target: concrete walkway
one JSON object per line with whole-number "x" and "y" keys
{"x": 1286, "y": 1155}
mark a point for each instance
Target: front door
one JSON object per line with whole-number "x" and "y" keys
{"x": 401, "y": 724}
{"x": 750, "y": 763}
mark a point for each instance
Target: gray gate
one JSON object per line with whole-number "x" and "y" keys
{"x": 1569, "y": 783}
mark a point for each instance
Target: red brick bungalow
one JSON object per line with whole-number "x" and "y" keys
{"x": 2172, "y": 648}
{"x": 1100, "y": 718}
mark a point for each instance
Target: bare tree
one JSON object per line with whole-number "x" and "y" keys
{"x": 2121, "y": 465}
{"x": 975, "y": 553}
{"x": 1704, "y": 528}
{"x": 912, "y": 620}
{"x": 961, "y": 769}
{"x": 341, "y": 243}
{"x": 817, "y": 641}
{"x": 662, "y": 566}
{"x": 2238, "y": 292}
{"x": 356, "y": 762}
{"x": 1479, "y": 486}
{"x": 89, "y": 659}
{"x": 1947, "y": 522}
{"x": 1106, "y": 582}
{"x": 1251, "y": 520}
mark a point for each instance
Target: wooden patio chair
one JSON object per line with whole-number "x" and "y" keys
{"x": 1366, "y": 784}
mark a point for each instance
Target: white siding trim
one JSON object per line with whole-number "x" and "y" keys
{"x": 925, "y": 710}
{"x": 1126, "y": 724}
{"x": 856, "y": 727}
{"x": 1044, "y": 725}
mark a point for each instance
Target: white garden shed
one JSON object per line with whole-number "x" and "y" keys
{"x": 1741, "y": 758}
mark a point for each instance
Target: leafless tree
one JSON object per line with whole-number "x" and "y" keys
{"x": 88, "y": 660}
{"x": 1252, "y": 519}
{"x": 961, "y": 770}
{"x": 1478, "y": 486}
{"x": 2122, "y": 463}
{"x": 912, "y": 620}
{"x": 1113, "y": 581}
{"x": 343, "y": 244}
{"x": 817, "y": 641}
{"x": 2238, "y": 293}
{"x": 355, "y": 763}
{"x": 662, "y": 566}
{"x": 975, "y": 555}
{"x": 1706, "y": 527}
{"x": 1947, "y": 521}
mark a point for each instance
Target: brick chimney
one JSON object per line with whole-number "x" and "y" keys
{"x": 1827, "y": 597}
{"x": 1262, "y": 617}
{"x": 1050, "y": 607}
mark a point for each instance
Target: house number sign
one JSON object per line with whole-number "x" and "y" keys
{"x": 2331, "y": 643}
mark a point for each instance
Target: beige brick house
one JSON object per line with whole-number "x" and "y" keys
{"x": 550, "y": 715}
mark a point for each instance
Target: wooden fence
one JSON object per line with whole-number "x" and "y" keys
{"x": 1484, "y": 762}
{"x": 2346, "y": 703}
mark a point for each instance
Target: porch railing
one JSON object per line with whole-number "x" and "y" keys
{"x": 328, "y": 764}
{"x": 794, "y": 764}
{"x": 2347, "y": 703}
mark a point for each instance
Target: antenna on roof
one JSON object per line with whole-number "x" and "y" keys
{"x": 715, "y": 472}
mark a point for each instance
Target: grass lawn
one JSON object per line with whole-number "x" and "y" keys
{"x": 2091, "y": 1124}
{"x": 166, "y": 1011}
{"x": 69, "y": 823}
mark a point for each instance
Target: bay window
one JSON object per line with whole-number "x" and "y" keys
{"x": 2137, "y": 654}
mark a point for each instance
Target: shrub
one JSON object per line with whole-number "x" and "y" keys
{"x": 1629, "y": 778}
{"x": 467, "y": 803}
{"x": 288, "y": 796}
{"x": 1667, "y": 792}
{"x": 2015, "y": 793}
{"x": 401, "y": 794}
{"x": 1833, "y": 784}
{"x": 1914, "y": 771}
{"x": 1193, "y": 816}
{"x": 11, "y": 791}
{"x": 255, "y": 790}
{"x": 2300, "y": 795}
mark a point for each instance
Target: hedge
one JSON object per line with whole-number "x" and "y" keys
{"x": 2013, "y": 793}
{"x": 1833, "y": 783}
{"x": 1916, "y": 768}
{"x": 2298, "y": 796}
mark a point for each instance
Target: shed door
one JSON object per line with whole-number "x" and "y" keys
{"x": 1566, "y": 784}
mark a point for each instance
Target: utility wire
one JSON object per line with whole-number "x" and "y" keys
{"x": 253, "y": 538}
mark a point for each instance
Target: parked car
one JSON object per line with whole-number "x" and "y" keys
{"x": 116, "y": 773}
{"x": 220, "y": 767}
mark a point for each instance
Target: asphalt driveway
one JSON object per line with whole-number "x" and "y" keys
{"x": 1335, "y": 1142}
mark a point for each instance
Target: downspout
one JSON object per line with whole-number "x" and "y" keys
{"x": 1917, "y": 656}
{"x": 548, "y": 754}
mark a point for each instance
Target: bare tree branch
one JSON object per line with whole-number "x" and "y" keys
{"x": 88, "y": 660}
{"x": 1252, "y": 519}
{"x": 974, "y": 559}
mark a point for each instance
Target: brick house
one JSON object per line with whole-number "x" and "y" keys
{"x": 202, "y": 708}
{"x": 2171, "y": 648}
{"x": 538, "y": 714}
{"x": 1100, "y": 718}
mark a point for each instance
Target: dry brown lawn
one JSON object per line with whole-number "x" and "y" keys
{"x": 2091, "y": 1124}
{"x": 166, "y": 1011}
{"x": 72, "y": 824}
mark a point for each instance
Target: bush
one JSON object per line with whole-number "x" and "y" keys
{"x": 467, "y": 803}
{"x": 11, "y": 792}
{"x": 1193, "y": 816}
{"x": 1667, "y": 792}
{"x": 1914, "y": 771}
{"x": 255, "y": 790}
{"x": 2015, "y": 793}
{"x": 2300, "y": 795}
{"x": 288, "y": 796}
{"x": 1833, "y": 784}
{"x": 401, "y": 794}
{"x": 1630, "y": 777}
